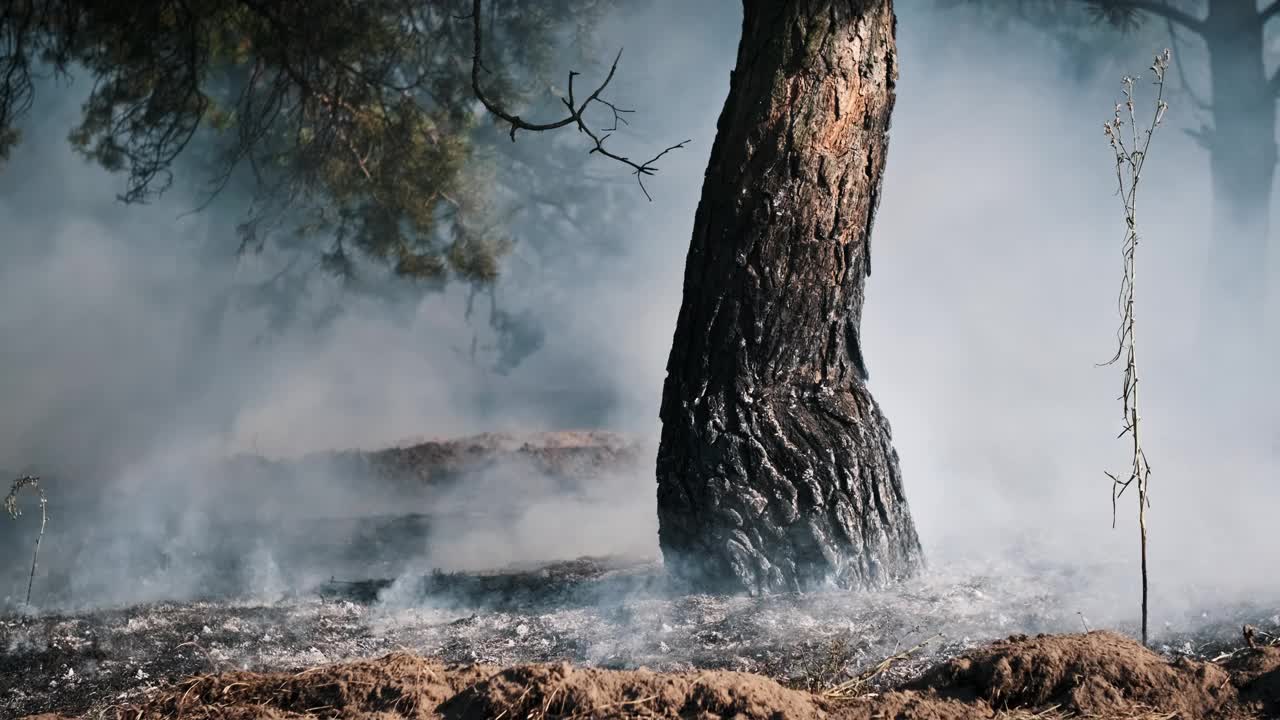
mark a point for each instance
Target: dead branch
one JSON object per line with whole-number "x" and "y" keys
{"x": 576, "y": 111}
{"x": 856, "y": 686}
{"x": 11, "y": 507}
{"x": 215, "y": 664}
{"x": 1131, "y": 155}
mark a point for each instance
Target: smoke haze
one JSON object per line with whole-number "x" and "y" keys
{"x": 996, "y": 269}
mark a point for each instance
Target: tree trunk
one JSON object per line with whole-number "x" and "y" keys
{"x": 775, "y": 468}
{"x": 1242, "y": 161}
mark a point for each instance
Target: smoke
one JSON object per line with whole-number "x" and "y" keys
{"x": 512, "y": 514}
{"x": 997, "y": 268}
{"x": 127, "y": 374}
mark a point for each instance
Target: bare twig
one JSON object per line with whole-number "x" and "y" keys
{"x": 1131, "y": 155}
{"x": 576, "y": 111}
{"x": 215, "y": 664}
{"x": 856, "y": 686}
{"x": 11, "y": 507}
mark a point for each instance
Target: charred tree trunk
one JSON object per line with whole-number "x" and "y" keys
{"x": 775, "y": 469}
{"x": 1242, "y": 161}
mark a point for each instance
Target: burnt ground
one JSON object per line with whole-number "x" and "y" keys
{"x": 80, "y": 656}
{"x": 592, "y": 613}
{"x": 1098, "y": 675}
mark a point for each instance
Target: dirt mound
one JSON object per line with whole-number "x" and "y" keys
{"x": 399, "y": 685}
{"x": 561, "y": 454}
{"x": 565, "y": 455}
{"x": 1256, "y": 672}
{"x": 559, "y": 691}
{"x": 1097, "y": 675}
{"x": 406, "y": 686}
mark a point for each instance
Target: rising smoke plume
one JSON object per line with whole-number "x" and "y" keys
{"x": 990, "y": 302}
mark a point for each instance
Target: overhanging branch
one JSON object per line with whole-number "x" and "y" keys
{"x": 576, "y": 111}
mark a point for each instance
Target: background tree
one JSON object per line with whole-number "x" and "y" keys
{"x": 1238, "y": 134}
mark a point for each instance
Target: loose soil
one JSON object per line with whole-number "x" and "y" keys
{"x": 1095, "y": 675}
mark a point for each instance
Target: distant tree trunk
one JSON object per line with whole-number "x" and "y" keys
{"x": 775, "y": 468}
{"x": 1242, "y": 160}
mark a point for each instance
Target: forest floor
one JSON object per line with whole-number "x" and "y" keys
{"x": 603, "y": 637}
{"x": 340, "y": 659}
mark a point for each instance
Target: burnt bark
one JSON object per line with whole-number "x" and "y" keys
{"x": 776, "y": 469}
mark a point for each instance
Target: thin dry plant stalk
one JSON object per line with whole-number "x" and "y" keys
{"x": 11, "y": 507}
{"x": 1131, "y": 155}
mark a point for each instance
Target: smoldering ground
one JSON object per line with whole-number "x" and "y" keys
{"x": 995, "y": 270}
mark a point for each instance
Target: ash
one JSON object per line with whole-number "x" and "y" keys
{"x": 607, "y": 613}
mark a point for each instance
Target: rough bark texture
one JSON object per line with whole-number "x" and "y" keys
{"x": 1242, "y": 161}
{"x": 775, "y": 468}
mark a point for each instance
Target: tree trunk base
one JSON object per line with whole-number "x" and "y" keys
{"x": 785, "y": 493}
